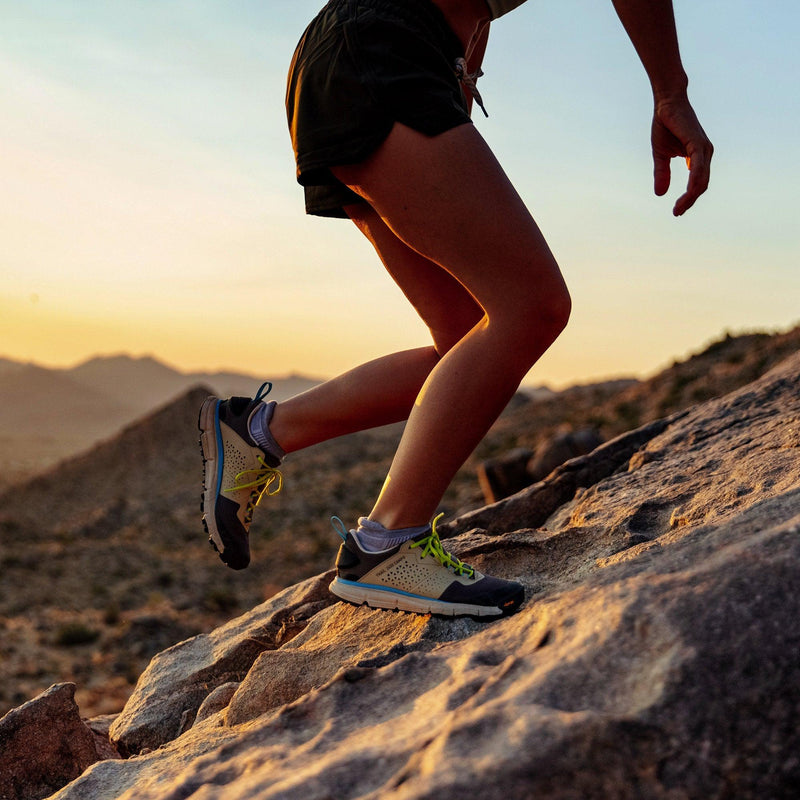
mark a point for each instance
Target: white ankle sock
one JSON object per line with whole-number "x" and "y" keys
{"x": 373, "y": 537}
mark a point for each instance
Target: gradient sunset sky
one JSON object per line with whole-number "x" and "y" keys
{"x": 148, "y": 202}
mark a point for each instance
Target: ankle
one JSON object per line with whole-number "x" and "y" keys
{"x": 391, "y": 521}
{"x": 259, "y": 427}
{"x": 374, "y": 537}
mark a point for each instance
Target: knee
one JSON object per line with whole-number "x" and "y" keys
{"x": 546, "y": 314}
{"x": 556, "y": 312}
{"x": 536, "y": 323}
{"x": 550, "y": 316}
{"x": 527, "y": 326}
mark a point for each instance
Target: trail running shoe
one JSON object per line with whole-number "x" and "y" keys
{"x": 419, "y": 575}
{"x": 237, "y": 474}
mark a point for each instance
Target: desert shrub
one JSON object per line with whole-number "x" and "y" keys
{"x": 701, "y": 393}
{"x": 221, "y": 599}
{"x": 598, "y": 421}
{"x": 165, "y": 579}
{"x": 735, "y": 358}
{"x": 75, "y": 633}
{"x": 111, "y": 613}
{"x": 628, "y": 413}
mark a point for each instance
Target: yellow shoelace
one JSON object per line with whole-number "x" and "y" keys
{"x": 432, "y": 545}
{"x": 262, "y": 480}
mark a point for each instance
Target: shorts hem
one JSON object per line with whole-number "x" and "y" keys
{"x": 325, "y": 196}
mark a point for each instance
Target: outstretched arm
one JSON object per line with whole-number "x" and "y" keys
{"x": 676, "y": 131}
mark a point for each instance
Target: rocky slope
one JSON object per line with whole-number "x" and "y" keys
{"x": 656, "y": 655}
{"x": 102, "y": 558}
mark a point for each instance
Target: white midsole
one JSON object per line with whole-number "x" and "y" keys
{"x": 388, "y": 598}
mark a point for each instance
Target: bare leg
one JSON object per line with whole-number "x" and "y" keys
{"x": 382, "y": 391}
{"x": 373, "y": 394}
{"x": 448, "y": 199}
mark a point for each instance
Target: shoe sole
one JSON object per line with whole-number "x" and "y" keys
{"x": 360, "y": 594}
{"x": 211, "y": 446}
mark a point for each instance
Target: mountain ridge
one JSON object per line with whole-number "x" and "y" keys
{"x": 96, "y": 398}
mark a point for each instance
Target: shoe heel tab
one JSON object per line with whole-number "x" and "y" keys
{"x": 339, "y": 527}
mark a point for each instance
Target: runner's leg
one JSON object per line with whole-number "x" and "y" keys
{"x": 448, "y": 199}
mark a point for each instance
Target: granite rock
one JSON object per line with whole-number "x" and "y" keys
{"x": 178, "y": 680}
{"x": 655, "y": 656}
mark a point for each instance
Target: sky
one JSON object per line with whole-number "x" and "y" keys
{"x": 148, "y": 201}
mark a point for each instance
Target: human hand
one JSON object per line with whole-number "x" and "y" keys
{"x": 676, "y": 131}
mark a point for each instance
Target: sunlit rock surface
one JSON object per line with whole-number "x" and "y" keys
{"x": 656, "y": 655}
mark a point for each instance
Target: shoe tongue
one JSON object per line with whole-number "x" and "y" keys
{"x": 271, "y": 460}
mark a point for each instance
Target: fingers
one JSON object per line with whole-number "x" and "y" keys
{"x": 665, "y": 146}
{"x": 661, "y": 174}
{"x": 699, "y": 173}
{"x": 677, "y": 132}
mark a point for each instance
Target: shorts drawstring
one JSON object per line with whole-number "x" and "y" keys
{"x": 468, "y": 79}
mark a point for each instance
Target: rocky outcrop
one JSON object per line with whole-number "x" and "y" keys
{"x": 532, "y": 506}
{"x": 177, "y": 681}
{"x": 655, "y": 656}
{"x": 512, "y": 472}
{"x": 504, "y": 475}
{"x": 103, "y": 566}
{"x": 562, "y": 447}
{"x": 44, "y": 745}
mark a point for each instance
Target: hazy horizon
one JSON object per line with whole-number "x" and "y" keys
{"x": 67, "y": 365}
{"x": 292, "y": 373}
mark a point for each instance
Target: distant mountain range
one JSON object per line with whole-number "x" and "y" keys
{"x": 47, "y": 414}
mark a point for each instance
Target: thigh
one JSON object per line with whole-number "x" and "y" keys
{"x": 442, "y": 302}
{"x": 448, "y": 199}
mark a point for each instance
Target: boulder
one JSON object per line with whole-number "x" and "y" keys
{"x": 655, "y": 655}
{"x": 177, "y": 681}
{"x": 216, "y": 701}
{"x": 504, "y": 475}
{"x": 43, "y": 745}
{"x": 512, "y": 472}
{"x": 562, "y": 447}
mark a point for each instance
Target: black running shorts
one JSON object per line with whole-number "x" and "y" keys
{"x": 361, "y": 66}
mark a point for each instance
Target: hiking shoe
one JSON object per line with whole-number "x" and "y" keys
{"x": 419, "y": 575}
{"x": 236, "y": 474}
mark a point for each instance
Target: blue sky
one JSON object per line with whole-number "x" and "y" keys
{"x": 149, "y": 202}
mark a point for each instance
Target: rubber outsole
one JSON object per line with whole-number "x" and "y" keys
{"x": 207, "y": 424}
{"x": 359, "y": 594}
